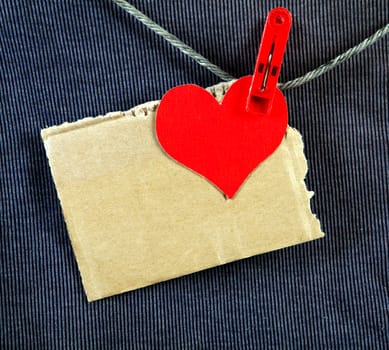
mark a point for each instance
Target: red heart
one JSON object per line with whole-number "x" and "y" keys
{"x": 222, "y": 142}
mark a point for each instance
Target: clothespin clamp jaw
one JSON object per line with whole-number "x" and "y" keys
{"x": 268, "y": 66}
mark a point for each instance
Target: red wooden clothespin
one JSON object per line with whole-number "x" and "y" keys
{"x": 269, "y": 60}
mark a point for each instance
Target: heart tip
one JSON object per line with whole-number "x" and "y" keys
{"x": 228, "y": 196}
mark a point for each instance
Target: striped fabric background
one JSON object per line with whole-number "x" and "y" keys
{"x": 64, "y": 60}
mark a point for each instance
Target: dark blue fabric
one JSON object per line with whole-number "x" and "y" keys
{"x": 65, "y": 60}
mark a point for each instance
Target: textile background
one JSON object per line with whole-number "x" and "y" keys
{"x": 65, "y": 60}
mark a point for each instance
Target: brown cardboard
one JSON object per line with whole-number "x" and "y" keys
{"x": 135, "y": 217}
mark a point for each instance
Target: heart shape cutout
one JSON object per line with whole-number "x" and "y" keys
{"x": 222, "y": 142}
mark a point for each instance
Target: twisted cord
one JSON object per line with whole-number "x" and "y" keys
{"x": 173, "y": 40}
{"x": 201, "y": 60}
{"x": 324, "y": 68}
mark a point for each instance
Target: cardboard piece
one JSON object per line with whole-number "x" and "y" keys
{"x": 135, "y": 217}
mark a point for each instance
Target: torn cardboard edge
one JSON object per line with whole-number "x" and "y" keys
{"x": 135, "y": 217}
{"x": 141, "y": 111}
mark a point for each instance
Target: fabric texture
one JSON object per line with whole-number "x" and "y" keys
{"x": 65, "y": 60}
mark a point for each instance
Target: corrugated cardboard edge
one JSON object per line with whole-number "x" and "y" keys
{"x": 140, "y": 111}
